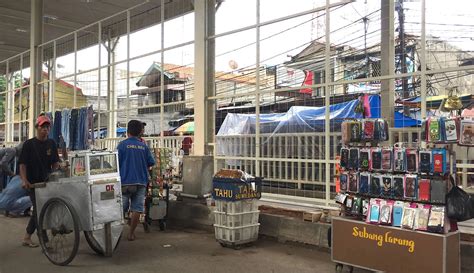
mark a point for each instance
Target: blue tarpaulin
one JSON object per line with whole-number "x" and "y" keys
{"x": 300, "y": 119}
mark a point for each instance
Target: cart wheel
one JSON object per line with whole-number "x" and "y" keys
{"x": 92, "y": 242}
{"x": 58, "y": 231}
{"x": 162, "y": 224}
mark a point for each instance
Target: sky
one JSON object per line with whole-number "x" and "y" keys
{"x": 284, "y": 39}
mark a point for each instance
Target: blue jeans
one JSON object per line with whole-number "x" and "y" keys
{"x": 133, "y": 198}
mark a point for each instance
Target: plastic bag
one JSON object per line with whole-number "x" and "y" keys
{"x": 458, "y": 204}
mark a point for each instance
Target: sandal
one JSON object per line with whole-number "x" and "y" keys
{"x": 30, "y": 244}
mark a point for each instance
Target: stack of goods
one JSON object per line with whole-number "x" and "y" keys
{"x": 404, "y": 187}
{"x": 441, "y": 130}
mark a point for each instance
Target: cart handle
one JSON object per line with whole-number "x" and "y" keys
{"x": 38, "y": 185}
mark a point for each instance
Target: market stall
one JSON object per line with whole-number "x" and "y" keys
{"x": 400, "y": 203}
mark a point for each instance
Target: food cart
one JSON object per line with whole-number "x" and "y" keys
{"x": 87, "y": 197}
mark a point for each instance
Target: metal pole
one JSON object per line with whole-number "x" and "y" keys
{"x": 53, "y": 80}
{"x": 387, "y": 90}
{"x": 327, "y": 128}
{"x": 127, "y": 112}
{"x": 423, "y": 59}
{"x": 257, "y": 95}
{"x": 162, "y": 76}
{"x": 75, "y": 71}
{"x": 99, "y": 77}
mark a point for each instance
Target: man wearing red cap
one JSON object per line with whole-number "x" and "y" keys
{"x": 38, "y": 159}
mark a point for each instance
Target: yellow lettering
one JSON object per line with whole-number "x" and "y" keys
{"x": 411, "y": 246}
{"x": 355, "y": 231}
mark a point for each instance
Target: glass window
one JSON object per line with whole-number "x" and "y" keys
{"x": 102, "y": 164}
{"x": 78, "y": 166}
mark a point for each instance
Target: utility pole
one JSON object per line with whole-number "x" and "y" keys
{"x": 401, "y": 52}
{"x": 367, "y": 63}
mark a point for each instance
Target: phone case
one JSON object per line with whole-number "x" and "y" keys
{"x": 424, "y": 129}
{"x": 438, "y": 191}
{"x": 408, "y": 218}
{"x": 439, "y": 161}
{"x": 387, "y": 159}
{"x": 365, "y": 206}
{"x": 353, "y": 182}
{"x": 451, "y": 130}
{"x": 386, "y": 186}
{"x": 425, "y": 161}
{"x": 343, "y": 180}
{"x": 411, "y": 185}
{"x": 368, "y": 129}
{"x": 364, "y": 179}
{"x": 434, "y": 130}
{"x": 398, "y": 182}
{"x": 399, "y": 159}
{"x": 397, "y": 214}
{"x": 381, "y": 130}
{"x": 344, "y": 158}
{"x": 356, "y": 206}
{"x": 354, "y": 159}
{"x": 412, "y": 160}
{"x": 364, "y": 159}
{"x": 436, "y": 219}
{"x": 467, "y": 132}
{"x": 376, "y": 159}
{"x": 386, "y": 214}
{"x": 355, "y": 127}
{"x": 424, "y": 187}
{"x": 374, "y": 213}
{"x": 375, "y": 182}
{"x": 349, "y": 203}
{"x": 346, "y": 132}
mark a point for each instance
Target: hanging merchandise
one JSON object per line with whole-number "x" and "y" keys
{"x": 434, "y": 132}
{"x": 375, "y": 184}
{"x": 353, "y": 182}
{"x": 354, "y": 159}
{"x": 387, "y": 156}
{"x": 408, "y": 218}
{"x": 424, "y": 187}
{"x": 356, "y": 206}
{"x": 368, "y": 127}
{"x": 344, "y": 158}
{"x": 364, "y": 179}
{"x": 411, "y": 186}
{"x": 374, "y": 211}
{"x": 344, "y": 180}
{"x": 381, "y": 130}
{"x": 397, "y": 213}
{"x": 436, "y": 219}
{"x": 451, "y": 129}
{"x": 386, "y": 186}
{"x": 425, "y": 161}
{"x": 399, "y": 159}
{"x": 439, "y": 161}
{"x": 412, "y": 160}
{"x": 422, "y": 217}
{"x": 398, "y": 183}
{"x": 364, "y": 159}
{"x": 376, "y": 159}
{"x": 386, "y": 208}
{"x": 438, "y": 191}
{"x": 467, "y": 132}
{"x": 65, "y": 123}
{"x": 356, "y": 130}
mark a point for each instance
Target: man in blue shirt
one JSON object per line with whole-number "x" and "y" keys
{"x": 134, "y": 158}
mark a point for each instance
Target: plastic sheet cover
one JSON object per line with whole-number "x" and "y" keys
{"x": 298, "y": 119}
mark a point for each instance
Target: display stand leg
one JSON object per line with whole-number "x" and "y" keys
{"x": 108, "y": 240}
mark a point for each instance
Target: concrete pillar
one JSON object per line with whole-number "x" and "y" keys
{"x": 198, "y": 168}
{"x": 388, "y": 60}
{"x": 36, "y": 38}
{"x": 204, "y": 52}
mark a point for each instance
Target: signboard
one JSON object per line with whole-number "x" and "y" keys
{"x": 234, "y": 191}
{"x": 392, "y": 249}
